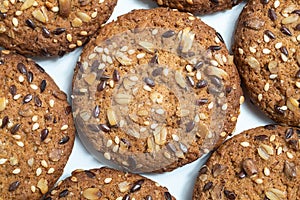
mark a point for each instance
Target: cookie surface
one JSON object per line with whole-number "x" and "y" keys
{"x": 105, "y": 183}
{"x": 154, "y": 91}
{"x": 51, "y": 28}
{"x": 267, "y": 55}
{"x": 199, "y": 6}
{"x": 260, "y": 163}
{"x": 36, "y": 129}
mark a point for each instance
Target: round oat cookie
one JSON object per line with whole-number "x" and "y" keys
{"x": 51, "y": 28}
{"x": 199, "y": 6}
{"x": 105, "y": 183}
{"x": 260, "y": 163}
{"x": 267, "y": 55}
{"x": 36, "y": 129}
{"x": 155, "y": 90}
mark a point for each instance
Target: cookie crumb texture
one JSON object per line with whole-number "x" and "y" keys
{"x": 199, "y": 6}
{"x": 51, "y": 28}
{"x": 154, "y": 91}
{"x": 267, "y": 55}
{"x": 36, "y": 129}
{"x": 261, "y": 163}
{"x": 105, "y": 183}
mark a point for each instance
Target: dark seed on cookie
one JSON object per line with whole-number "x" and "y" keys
{"x": 286, "y": 31}
{"x": 202, "y": 101}
{"x": 270, "y": 127}
{"x": 30, "y": 23}
{"x": 279, "y": 110}
{"x": 101, "y": 86}
{"x": 104, "y": 127}
{"x": 90, "y": 174}
{"x": 272, "y": 14}
{"x": 289, "y": 133}
{"x": 207, "y": 186}
{"x": 201, "y": 84}
{"x": 63, "y": 193}
{"x": 2, "y": 15}
{"x": 190, "y": 126}
{"x": 64, "y": 140}
{"x": 220, "y": 37}
{"x": 37, "y": 101}
{"x": 13, "y": 186}
{"x": 154, "y": 60}
{"x": 13, "y": 90}
{"x": 264, "y": 1}
{"x": 241, "y": 174}
{"x": 270, "y": 34}
{"x": 44, "y": 134}
{"x": 148, "y": 197}
{"x": 157, "y": 71}
{"x": 284, "y": 51}
{"x": 59, "y": 31}
{"x": 137, "y": 186}
{"x": 5, "y": 121}
{"x": 297, "y": 28}
{"x": 126, "y": 197}
{"x": 215, "y": 1}
{"x": 15, "y": 128}
{"x": 168, "y": 196}
{"x": 215, "y": 48}
{"x": 230, "y": 195}
{"x": 116, "y": 75}
{"x": 168, "y": 34}
{"x": 149, "y": 81}
{"x": 45, "y": 32}
{"x": 27, "y": 98}
{"x": 290, "y": 170}
{"x": 261, "y": 137}
{"x": 29, "y": 77}
{"x": 22, "y": 69}
{"x": 96, "y": 111}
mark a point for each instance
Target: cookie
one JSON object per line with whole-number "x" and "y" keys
{"x": 105, "y": 183}
{"x": 260, "y": 163}
{"x": 199, "y": 6}
{"x": 36, "y": 129}
{"x": 267, "y": 55}
{"x": 51, "y": 28}
{"x": 154, "y": 91}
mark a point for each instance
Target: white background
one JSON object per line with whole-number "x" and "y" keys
{"x": 179, "y": 182}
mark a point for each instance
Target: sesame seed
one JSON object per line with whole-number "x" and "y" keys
{"x": 109, "y": 143}
{"x": 94, "y": 14}
{"x": 272, "y": 138}
{"x": 273, "y": 76}
{"x": 44, "y": 163}
{"x": 175, "y": 137}
{"x": 279, "y": 150}
{"x": 245, "y": 144}
{"x": 21, "y": 79}
{"x": 267, "y": 87}
{"x": 38, "y": 171}
{"x": 241, "y": 51}
{"x": 223, "y": 134}
{"x": 51, "y": 103}
{"x": 33, "y": 188}
{"x": 276, "y": 4}
{"x": 242, "y": 100}
{"x": 55, "y": 9}
{"x": 140, "y": 55}
{"x": 210, "y": 105}
{"x": 35, "y": 126}
{"x": 278, "y": 45}
{"x": 34, "y": 118}
{"x": 147, "y": 88}
{"x": 258, "y": 181}
{"x": 20, "y": 144}
{"x": 64, "y": 127}
{"x": 107, "y": 180}
{"x": 266, "y": 38}
{"x": 259, "y": 97}
{"x": 225, "y": 106}
{"x": 16, "y": 171}
{"x": 2, "y": 161}
{"x": 289, "y": 155}
{"x": 107, "y": 155}
{"x": 266, "y": 171}
{"x": 284, "y": 57}
{"x": 252, "y": 49}
{"x": 69, "y": 37}
{"x": 51, "y": 170}
{"x": 15, "y": 22}
{"x": 214, "y": 63}
{"x": 266, "y": 51}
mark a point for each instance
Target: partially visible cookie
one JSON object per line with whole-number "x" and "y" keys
{"x": 51, "y": 28}
{"x": 267, "y": 55}
{"x": 260, "y": 163}
{"x": 105, "y": 183}
{"x": 199, "y": 6}
{"x": 155, "y": 90}
{"x": 36, "y": 129}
